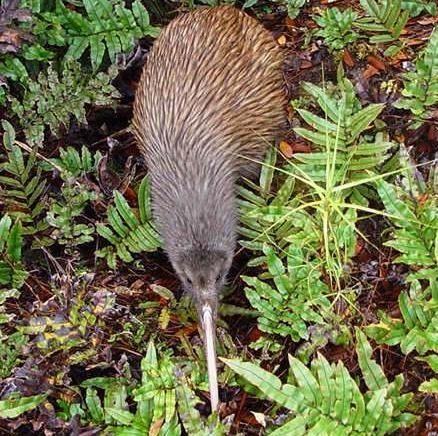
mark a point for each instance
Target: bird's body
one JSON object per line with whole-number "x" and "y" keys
{"x": 209, "y": 101}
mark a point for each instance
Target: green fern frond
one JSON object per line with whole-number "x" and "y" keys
{"x": 162, "y": 396}
{"x": 66, "y": 211}
{"x": 415, "y": 237}
{"x": 109, "y": 26}
{"x": 49, "y": 101}
{"x": 430, "y": 386}
{"x": 260, "y": 206}
{"x": 298, "y": 299}
{"x": 338, "y": 136}
{"x": 65, "y": 214}
{"x": 326, "y": 400}
{"x": 418, "y": 328}
{"x": 387, "y": 18}
{"x": 14, "y": 405}
{"x": 416, "y": 7}
{"x": 421, "y": 86}
{"x": 23, "y": 188}
{"x": 75, "y": 164}
{"x": 294, "y": 7}
{"x": 337, "y": 27}
{"x": 127, "y": 233}
{"x": 12, "y": 272}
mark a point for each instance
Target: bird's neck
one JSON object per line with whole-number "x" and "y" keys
{"x": 195, "y": 205}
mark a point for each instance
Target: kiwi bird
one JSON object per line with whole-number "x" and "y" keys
{"x": 209, "y": 102}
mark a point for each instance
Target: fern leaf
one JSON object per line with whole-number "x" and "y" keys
{"x": 126, "y": 232}
{"x": 327, "y": 399}
{"x": 338, "y": 136}
{"x": 421, "y": 86}
{"x": 298, "y": 286}
{"x": 5, "y": 225}
{"x": 372, "y": 373}
{"x": 12, "y": 272}
{"x": 108, "y": 27}
{"x": 24, "y": 188}
{"x": 49, "y": 101}
{"x": 385, "y": 17}
{"x": 415, "y": 237}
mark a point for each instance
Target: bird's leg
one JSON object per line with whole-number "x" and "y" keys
{"x": 208, "y": 325}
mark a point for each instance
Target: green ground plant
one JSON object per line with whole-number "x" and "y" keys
{"x": 385, "y": 18}
{"x": 74, "y": 164}
{"x": 127, "y": 232}
{"x": 64, "y": 215}
{"x": 11, "y": 346}
{"x": 51, "y": 29}
{"x": 23, "y": 187}
{"x": 420, "y": 92}
{"x": 324, "y": 399}
{"x": 12, "y": 271}
{"x": 337, "y": 27}
{"x": 104, "y": 27}
{"x": 87, "y": 348}
{"x": 49, "y": 101}
{"x": 306, "y": 226}
{"x": 164, "y": 402}
{"x": 14, "y": 405}
{"x": 416, "y": 7}
{"x": 415, "y": 237}
{"x": 66, "y": 209}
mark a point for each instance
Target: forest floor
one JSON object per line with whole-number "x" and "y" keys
{"x": 79, "y": 310}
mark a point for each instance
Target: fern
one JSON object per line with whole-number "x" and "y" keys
{"x": 75, "y": 164}
{"x": 418, "y": 328}
{"x": 339, "y": 136}
{"x": 14, "y": 405}
{"x": 65, "y": 212}
{"x": 298, "y": 298}
{"x": 49, "y": 101}
{"x": 104, "y": 26}
{"x": 294, "y": 7}
{"x": 416, "y": 238}
{"x": 109, "y": 26}
{"x": 12, "y": 272}
{"x": 23, "y": 187}
{"x": 336, "y": 27}
{"x": 11, "y": 346}
{"x": 260, "y": 206}
{"x": 306, "y": 220}
{"x": 162, "y": 400}
{"x": 430, "y": 386}
{"x": 385, "y": 17}
{"x": 126, "y": 232}
{"x": 421, "y": 86}
{"x": 416, "y": 7}
{"x": 326, "y": 400}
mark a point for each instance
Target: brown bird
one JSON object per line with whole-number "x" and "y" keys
{"x": 209, "y": 101}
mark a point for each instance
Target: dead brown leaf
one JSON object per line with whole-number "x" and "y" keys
{"x": 348, "y": 59}
{"x": 370, "y": 71}
{"x": 376, "y": 62}
{"x": 286, "y": 149}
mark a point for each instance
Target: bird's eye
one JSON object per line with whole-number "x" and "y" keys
{"x": 189, "y": 281}
{"x": 218, "y": 277}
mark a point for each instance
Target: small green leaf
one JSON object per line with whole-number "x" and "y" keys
{"x": 13, "y": 407}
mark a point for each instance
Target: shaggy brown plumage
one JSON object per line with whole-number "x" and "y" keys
{"x": 209, "y": 101}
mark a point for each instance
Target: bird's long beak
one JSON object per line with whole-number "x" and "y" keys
{"x": 210, "y": 349}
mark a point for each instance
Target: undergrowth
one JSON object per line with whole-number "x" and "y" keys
{"x": 339, "y": 230}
